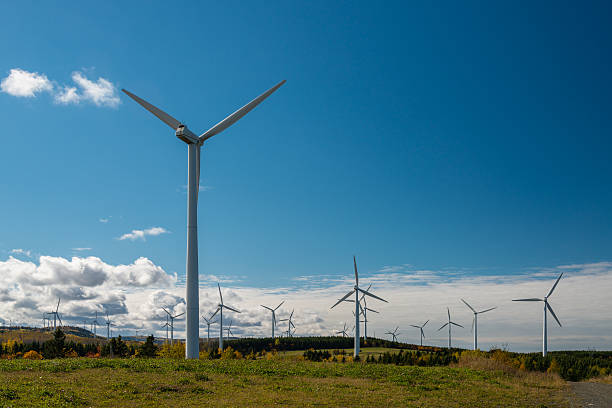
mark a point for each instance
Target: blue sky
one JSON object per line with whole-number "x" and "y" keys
{"x": 469, "y": 137}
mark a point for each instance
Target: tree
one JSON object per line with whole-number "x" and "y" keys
{"x": 148, "y": 348}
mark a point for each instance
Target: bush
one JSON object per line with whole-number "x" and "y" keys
{"x": 32, "y": 355}
{"x": 176, "y": 350}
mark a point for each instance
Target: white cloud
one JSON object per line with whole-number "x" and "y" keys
{"x": 101, "y": 93}
{"x": 67, "y": 96}
{"x": 104, "y": 220}
{"x": 82, "y": 249}
{"x": 25, "y": 84}
{"x": 142, "y": 234}
{"x": 19, "y": 251}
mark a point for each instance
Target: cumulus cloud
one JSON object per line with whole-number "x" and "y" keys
{"x": 25, "y": 84}
{"x": 104, "y": 220}
{"x": 100, "y": 92}
{"x": 81, "y": 249}
{"x": 142, "y": 234}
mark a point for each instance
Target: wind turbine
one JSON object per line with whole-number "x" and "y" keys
{"x": 449, "y": 324}
{"x": 56, "y": 315}
{"x": 208, "y": 323}
{"x": 94, "y": 324}
{"x": 108, "y": 323}
{"x": 394, "y": 333}
{"x": 229, "y": 330}
{"x": 356, "y": 290}
{"x": 167, "y": 325}
{"x": 421, "y": 330}
{"x": 475, "y": 321}
{"x": 172, "y": 323}
{"x": 194, "y": 144}
{"x": 343, "y": 331}
{"x": 219, "y": 310}
{"x": 364, "y": 311}
{"x": 273, "y": 315}
{"x": 546, "y": 306}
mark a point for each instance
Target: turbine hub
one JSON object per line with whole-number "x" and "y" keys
{"x": 186, "y": 135}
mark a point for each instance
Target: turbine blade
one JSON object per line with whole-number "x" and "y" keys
{"x": 528, "y": 300}
{"x": 163, "y": 116}
{"x": 164, "y": 311}
{"x": 457, "y": 324}
{"x": 555, "y": 285}
{"x": 418, "y": 327}
{"x": 214, "y": 314}
{"x": 267, "y": 308}
{"x": 234, "y": 117}
{"x": 280, "y": 304}
{"x": 219, "y": 286}
{"x": 553, "y": 313}
{"x": 342, "y": 300}
{"x": 178, "y": 315}
{"x": 231, "y": 308}
{"x": 422, "y": 332}
{"x": 356, "y": 275}
{"x": 198, "y": 148}
{"x": 443, "y": 326}
{"x": 371, "y": 310}
{"x": 448, "y": 311}
{"x": 371, "y": 295}
{"x": 58, "y": 302}
{"x": 487, "y": 310}
{"x": 425, "y": 324}
{"x": 468, "y": 305}
{"x": 473, "y": 320}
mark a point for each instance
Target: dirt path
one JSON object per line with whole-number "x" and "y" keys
{"x": 596, "y": 395}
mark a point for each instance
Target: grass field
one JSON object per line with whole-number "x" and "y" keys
{"x": 364, "y": 353}
{"x": 282, "y": 382}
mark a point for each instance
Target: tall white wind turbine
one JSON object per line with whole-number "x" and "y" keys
{"x": 56, "y": 315}
{"x": 273, "y": 315}
{"x": 356, "y": 290}
{"x": 194, "y": 143}
{"x": 475, "y": 321}
{"x": 449, "y": 324}
{"x": 108, "y": 323}
{"x": 546, "y": 306}
{"x": 421, "y": 330}
{"x": 219, "y": 310}
{"x": 95, "y": 323}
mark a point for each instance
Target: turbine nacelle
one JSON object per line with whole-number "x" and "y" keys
{"x": 186, "y": 135}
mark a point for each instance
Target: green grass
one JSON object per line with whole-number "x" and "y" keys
{"x": 159, "y": 383}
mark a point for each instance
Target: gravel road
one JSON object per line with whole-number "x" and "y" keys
{"x": 596, "y": 395}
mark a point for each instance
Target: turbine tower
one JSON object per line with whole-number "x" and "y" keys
{"x": 94, "y": 324}
{"x": 356, "y": 290}
{"x": 194, "y": 144}
{"x": 546, "y": 306}
{"x": 449, "y": 324}
{"x": 172, "y": 323}
{"x": 219, "y": 310}
{"x": 475, "y": 321}
{"x": 421, "y": 330}
{"x": 273, "y": 315}
{"x": 108, "y": 323}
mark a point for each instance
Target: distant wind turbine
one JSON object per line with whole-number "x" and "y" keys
{"x": 475, "y": 321}
{"x": 95, "y": 323}
{"x": 393, "y": 333}
{"x": 219, "y": 310}
{"x": 172, "y": 323}
{"x": 421, "y": 330}
{"x": 449, "y": 324}
{"x": 208, "y": 321}
{"x": 194, "y": 143}
{"x": 56, "y": 315}
{"x": 343, "y": 331}
{"x": 356, "y": 290}
{"x": 273, "y": 315}
{"x": 546, "y": 306}
{"x": 109, "y": 323}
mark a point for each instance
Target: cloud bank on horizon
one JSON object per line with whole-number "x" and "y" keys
{"x": 134, "y": 294}
{"x": 24, "y": 84}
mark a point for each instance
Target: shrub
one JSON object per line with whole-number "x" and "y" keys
{"x": 32, "y": 355}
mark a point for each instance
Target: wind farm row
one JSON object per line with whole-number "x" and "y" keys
{"x": 360, "y": 315}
